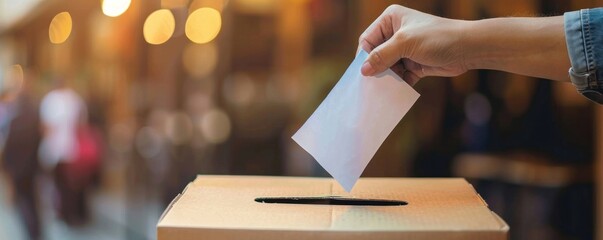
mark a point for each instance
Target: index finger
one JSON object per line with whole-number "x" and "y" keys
{"x": 377, "y": 33}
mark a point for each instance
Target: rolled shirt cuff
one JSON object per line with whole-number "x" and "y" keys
{"x": 584, "y": 38}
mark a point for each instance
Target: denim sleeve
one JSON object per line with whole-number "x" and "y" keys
{"x": 584, "y": 38}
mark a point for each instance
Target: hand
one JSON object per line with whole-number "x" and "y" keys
{"x": 413, "y": 44}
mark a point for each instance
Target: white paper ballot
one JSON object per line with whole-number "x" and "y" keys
{"x": 349, "y": 126}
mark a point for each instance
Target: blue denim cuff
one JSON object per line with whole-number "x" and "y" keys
{"x": 584, "y": 38}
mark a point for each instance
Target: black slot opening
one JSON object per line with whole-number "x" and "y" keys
{"x": 331, "y": 200}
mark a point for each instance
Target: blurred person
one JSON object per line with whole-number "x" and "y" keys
{"x": 415, "y": 45}
{"x": 19, "y": 158}
{"x": 69, "y": 148}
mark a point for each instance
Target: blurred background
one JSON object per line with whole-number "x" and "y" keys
{"x": 109, "y": 108}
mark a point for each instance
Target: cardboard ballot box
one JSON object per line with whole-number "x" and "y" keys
{"x": 254, "y": 207}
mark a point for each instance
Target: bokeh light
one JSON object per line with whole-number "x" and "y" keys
{"x": 200, "y": 60}
{"x": 239, "y": 89}
{"x": 60, "y": 28}
{"x": 148, "y": 142}
{"x": 203, "y": 25}
{"x": 159, "y": 26}
{"x": 215, "y": 126}
{"x": 179, "y": 128}
{"x": 114, "y": 8}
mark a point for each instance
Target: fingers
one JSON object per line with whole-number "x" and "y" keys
{"x": 399, "y": 68}
{"x": 379, "y": 31}
{"x": 411, "y": 78}
{"x": 383, "y": 57}
{"x": 409, "y": 71}
{"x": 378, "y": 41}
{"x": 414, "y": 67}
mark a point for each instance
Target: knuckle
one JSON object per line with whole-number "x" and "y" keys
{"x": 377, "y": 59}
{"x": 393, "y": 7}
{"x": 399, "y": 40}
{"x": 362, "y": 37}
{"x": 399, "y": 36}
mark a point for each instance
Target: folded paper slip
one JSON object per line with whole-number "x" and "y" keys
{"x": 255, "y": 207}
{"x": 348, "y": 127}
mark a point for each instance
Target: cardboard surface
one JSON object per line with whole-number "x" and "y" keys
{"x": 224, "y": 207}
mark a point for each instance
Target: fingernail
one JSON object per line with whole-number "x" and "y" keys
{"x": 367, "y": 69}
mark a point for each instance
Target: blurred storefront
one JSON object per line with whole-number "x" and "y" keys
{"x": 185, "y": 87}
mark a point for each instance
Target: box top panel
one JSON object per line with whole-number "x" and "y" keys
{"x": 228, "y": 202}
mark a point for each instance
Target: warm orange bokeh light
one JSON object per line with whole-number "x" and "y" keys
{"x": 60, "y": 28}
{"x": 114, "y": 8}
{"x": 203, "y": 25}
{"x": 159, "y": 26}
{"x": 215, "y": 126}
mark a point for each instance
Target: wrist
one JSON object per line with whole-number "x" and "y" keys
{"x": 528, "y": 46}
{"x": 480, "y": 45}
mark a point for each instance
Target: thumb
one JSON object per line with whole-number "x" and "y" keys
{"x": 382, "y": 57}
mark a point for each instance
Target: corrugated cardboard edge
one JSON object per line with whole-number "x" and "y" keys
{"x": 476, "y": 193}
{"x": 174, "y": 201}
{"x": 503, "y": 225}
{"x": 270, "y": 234}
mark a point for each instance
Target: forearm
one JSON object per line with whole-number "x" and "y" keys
{"x": 528, "y": 46}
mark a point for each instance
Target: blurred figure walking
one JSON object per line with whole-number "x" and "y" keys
{"x": 20, "y": 159}
{"x": 62, "y": 112}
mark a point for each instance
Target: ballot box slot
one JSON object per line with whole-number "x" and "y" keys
{"x": 331, "y": 200}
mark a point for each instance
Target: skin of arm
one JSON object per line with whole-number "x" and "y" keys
{"x": 415, "y": 45}
{"x": 528, "y": 46}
